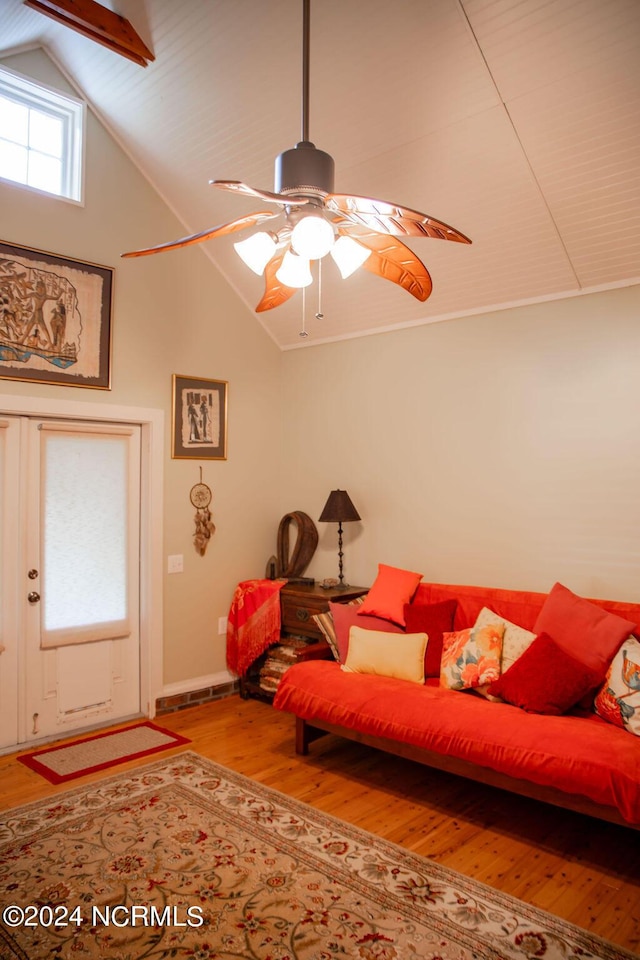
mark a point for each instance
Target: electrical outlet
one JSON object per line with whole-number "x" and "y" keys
{"x": 175, "y": 563}
{"x": 222, "y": 625}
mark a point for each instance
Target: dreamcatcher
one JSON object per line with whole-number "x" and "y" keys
{"x": 200, "y": 497}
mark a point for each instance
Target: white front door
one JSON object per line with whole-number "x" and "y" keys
{"x": 9, "y": 536}
{"x": 76, "y": 603}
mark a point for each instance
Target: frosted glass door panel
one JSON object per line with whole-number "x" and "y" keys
{"x": 85, "y": 537}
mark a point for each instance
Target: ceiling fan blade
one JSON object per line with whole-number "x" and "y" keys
{"x": 236, "y": 186}
{"x": 250, "y": 220}
{"x": 393, "y": 260}
{"x": 275, "y": 293}
{"x": 389, "y": 218}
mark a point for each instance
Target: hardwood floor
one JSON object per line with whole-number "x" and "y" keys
{"x": 583, "y": 870}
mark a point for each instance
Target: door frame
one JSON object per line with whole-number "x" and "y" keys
{"x": 151, "y": 422}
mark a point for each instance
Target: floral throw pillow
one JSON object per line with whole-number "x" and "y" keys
{"x": 618, "y": 700}
{"x": 516, "y": 639}
{"x": 471, "y": 657}
{"x": 514, "y": 643}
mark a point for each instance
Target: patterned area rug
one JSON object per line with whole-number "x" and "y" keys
{"x": 100, "y": 751}
{"x": 187, "y": 859}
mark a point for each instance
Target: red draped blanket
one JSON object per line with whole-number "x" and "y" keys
{"x": 253, "y": 623}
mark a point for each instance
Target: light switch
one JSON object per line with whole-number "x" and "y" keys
{"x": 175, "y": 563}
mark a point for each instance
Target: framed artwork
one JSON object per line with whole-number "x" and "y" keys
{"x": 55, "y": 319}
{"x": 199, "y": 426}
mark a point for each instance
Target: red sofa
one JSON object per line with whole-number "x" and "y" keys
{"x": 576, "y": 760}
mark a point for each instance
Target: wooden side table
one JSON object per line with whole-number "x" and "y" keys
{"x": 298, "y": 604}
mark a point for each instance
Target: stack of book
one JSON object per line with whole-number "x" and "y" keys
{"x": 278, "y": 660}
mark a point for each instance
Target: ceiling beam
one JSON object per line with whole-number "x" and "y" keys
{"x": 97, "y": 23}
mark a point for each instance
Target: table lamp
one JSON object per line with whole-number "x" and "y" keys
{"x": 339, "y": 509}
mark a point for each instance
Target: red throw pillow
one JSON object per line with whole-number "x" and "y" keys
{"x": 545, "y": 679}
{"x": 391, "y": 589}
{"x": 434, "y": 619}
{"x": 582, "y": 629}
{"x": 345, "y": 617}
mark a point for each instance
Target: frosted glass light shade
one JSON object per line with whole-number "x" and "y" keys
{"x": 256, "y": 250}
{"x": 312, "y": 237}
{"x": 349, "y": 255}
{"x": 294, "y": 271}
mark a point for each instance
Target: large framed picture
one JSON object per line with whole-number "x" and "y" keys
{"x": 55, "y": 319}
{"x": 199, "y": 428}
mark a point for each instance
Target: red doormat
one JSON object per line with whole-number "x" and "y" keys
{"x": 99, "y": 751}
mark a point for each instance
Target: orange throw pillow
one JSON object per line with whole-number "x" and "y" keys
{"x": 391, "y": 589}
{"x": 582, "y": 629}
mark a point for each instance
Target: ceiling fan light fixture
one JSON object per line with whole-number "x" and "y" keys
{"x": 312, "y": 237}
{"x": 304, "y": 192}
{"x": 256, "y": 250}
{"x": 348, "y": 255}
{"x": 294, "y": 271}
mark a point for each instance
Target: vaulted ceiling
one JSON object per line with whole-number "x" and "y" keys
{"x": 515, "y": 121}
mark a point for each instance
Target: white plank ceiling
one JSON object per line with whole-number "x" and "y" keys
{"x": 516, "y": 121}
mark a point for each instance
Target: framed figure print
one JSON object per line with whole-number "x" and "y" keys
{"x": 55, "y": 319}
{"x": 199, "y": 427}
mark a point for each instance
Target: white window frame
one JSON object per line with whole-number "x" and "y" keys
{"x": 70, "y": 110}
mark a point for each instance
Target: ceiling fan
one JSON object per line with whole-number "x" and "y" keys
{"x": 356, "y": 231}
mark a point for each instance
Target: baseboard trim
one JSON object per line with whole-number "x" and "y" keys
{"x": 197, "y": 690}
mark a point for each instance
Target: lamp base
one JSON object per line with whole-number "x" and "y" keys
{"x": 340, "y": 556}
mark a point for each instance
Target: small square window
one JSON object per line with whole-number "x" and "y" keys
{"x": 41, "y": 136}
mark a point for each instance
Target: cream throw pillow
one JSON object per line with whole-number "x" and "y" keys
{"x": 399, "y": 655}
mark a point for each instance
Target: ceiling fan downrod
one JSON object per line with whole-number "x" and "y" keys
{"x": 304, "y": 170}
{"x": 306, "y": 46}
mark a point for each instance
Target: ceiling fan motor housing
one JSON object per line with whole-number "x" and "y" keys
{"x": 304, "y": 170}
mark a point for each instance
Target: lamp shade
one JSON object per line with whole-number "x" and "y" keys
{"x": 256, "y": 251}
{"x": 339, "y": 508}
{"x": 294, "y": 271}
{"x": 348, "y": 254}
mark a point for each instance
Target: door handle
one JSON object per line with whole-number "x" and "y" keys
{"x": 33, "y": 597}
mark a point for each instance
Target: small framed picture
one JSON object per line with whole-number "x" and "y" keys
{"x": 199, "y": 428}
{"x": 55, "y": 319}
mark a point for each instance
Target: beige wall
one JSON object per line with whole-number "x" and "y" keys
{"x": 169, "y": 316}
{"x": 500, "y": 450}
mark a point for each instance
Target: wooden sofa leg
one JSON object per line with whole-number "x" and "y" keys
{"x": 306, "y": 734}
{"x": 302, "y": 743}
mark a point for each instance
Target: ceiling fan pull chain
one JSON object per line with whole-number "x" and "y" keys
{"x": 303, "y": 332}
{"x": 319, "y": 314}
